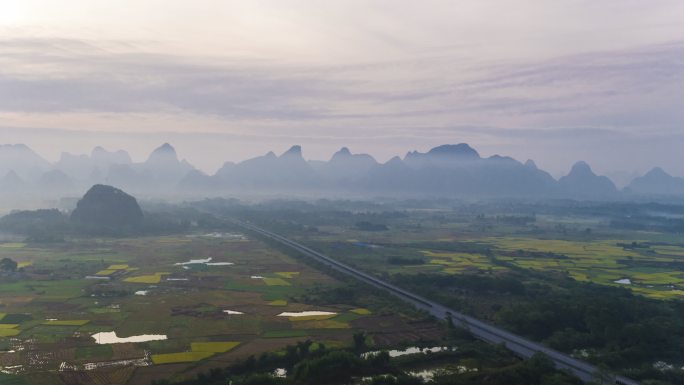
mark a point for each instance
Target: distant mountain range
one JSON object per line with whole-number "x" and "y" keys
{"x": 444, "y": 171}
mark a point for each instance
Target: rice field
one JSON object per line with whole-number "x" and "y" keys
{"x": 9, "y": 332}
{"x": 214, "y": 347}
{"x": 460, "y": 262}
{"x": 285, "y": 333}
{"x": 648, "y": 270}
{"x": 174, "y": 358}
{"x": 66, "y": 322}
{"x": 361, "y": 311}
{"x": 276, "y": 282}
{"x": 117, "y": 267}
{"x": 649, "y": 263}
{"x": 287, "y": 274}
{"x": 198, "y": 351}
{"x": 12, "y": 245}
{"x": 321, "y": 324}
{"x": 62, "y": 306}
{"x": 149, "y": 279}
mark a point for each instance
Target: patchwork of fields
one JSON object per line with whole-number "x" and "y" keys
{"x": 206, "y": 301}
{"x": 650, "y": 269}
{"x": 649, "y": 264}
{"x": 129, "y": 311}
{"x": 653, "y": 271}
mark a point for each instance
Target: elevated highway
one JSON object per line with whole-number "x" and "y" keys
{"x": 481, "y": 330}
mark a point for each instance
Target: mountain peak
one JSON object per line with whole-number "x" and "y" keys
{"x": 294, "y": 151}
{"x": 461, "y": 150}
{"x": 581, "y": 167}
{"x": 22, "y": 160}
{"x": 101, "y": 155}
{"x": 343, "y": 153}
{"x": 657, "y": 182}
{"x": 530, "y": 163}
{"x": 658, "y": 172}
{"x": 18, "y": 146}
{"x": 165, "y": 148}
{"x": 163, "y": 154}
{"x": 395, "y": 160}
{"x": 582, "y": 181}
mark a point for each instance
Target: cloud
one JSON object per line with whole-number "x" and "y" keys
{"x": 138, "y": 82}
{"x": 73, "y": 75}
{"x": 397, "y": 79}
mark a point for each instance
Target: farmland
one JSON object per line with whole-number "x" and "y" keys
{"x": 137, "y": 309}
{"x": 568, "y": 275}
{"x": 649, "y": 264}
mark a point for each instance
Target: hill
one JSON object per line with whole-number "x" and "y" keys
{"x": 107, "y": 209}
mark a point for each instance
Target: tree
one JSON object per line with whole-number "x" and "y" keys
{"x": 334, "y": 367}
{"x": 8, "y": 265}
{"x": 450, "y": 321}
{"x": 359, "y": 341}
{"x": 304, "y": 348}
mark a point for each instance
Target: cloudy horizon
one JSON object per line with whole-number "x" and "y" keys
{"x": 229, "y": 80}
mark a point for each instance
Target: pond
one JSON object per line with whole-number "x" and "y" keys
{"x": 193, "y": 262}
{"x": 305, "y": 313}
{"x": 206, "y": 261}
{"x": 104, "y": 338}
{"x": 411, "y": 350}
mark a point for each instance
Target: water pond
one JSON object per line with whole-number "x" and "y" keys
{"x": 411, "y": 350}
{"x": 104, "y": 338}
{"x": 305, "y": 313}
{"x": 206, "y": 261}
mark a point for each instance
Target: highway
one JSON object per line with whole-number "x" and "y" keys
{"x": 484, "y": 331}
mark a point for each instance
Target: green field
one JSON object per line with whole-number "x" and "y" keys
{"x": 138, "y": 287}
{"x": 94, "y": 352}
{"x": 174, "y": 358}
{"x": 213, "y": 347}
{"x": 9, "y": 332}
{"x": 276, "y": 282}
{"x": 285, "y": 333}
{"x": 66, "y": 322}
{"x": 151, "y": 278}
{"x": 60, "y": 307}
{"x": 652, "y": 269}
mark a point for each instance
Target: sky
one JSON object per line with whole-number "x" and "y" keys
{"x": 556, "y": 81}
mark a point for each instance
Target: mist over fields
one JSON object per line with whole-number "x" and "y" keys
{"x": 449, "y": 171}
{"x": 341, "y": 192}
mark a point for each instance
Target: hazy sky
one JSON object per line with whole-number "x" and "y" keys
{"x": 556, "y": 81}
